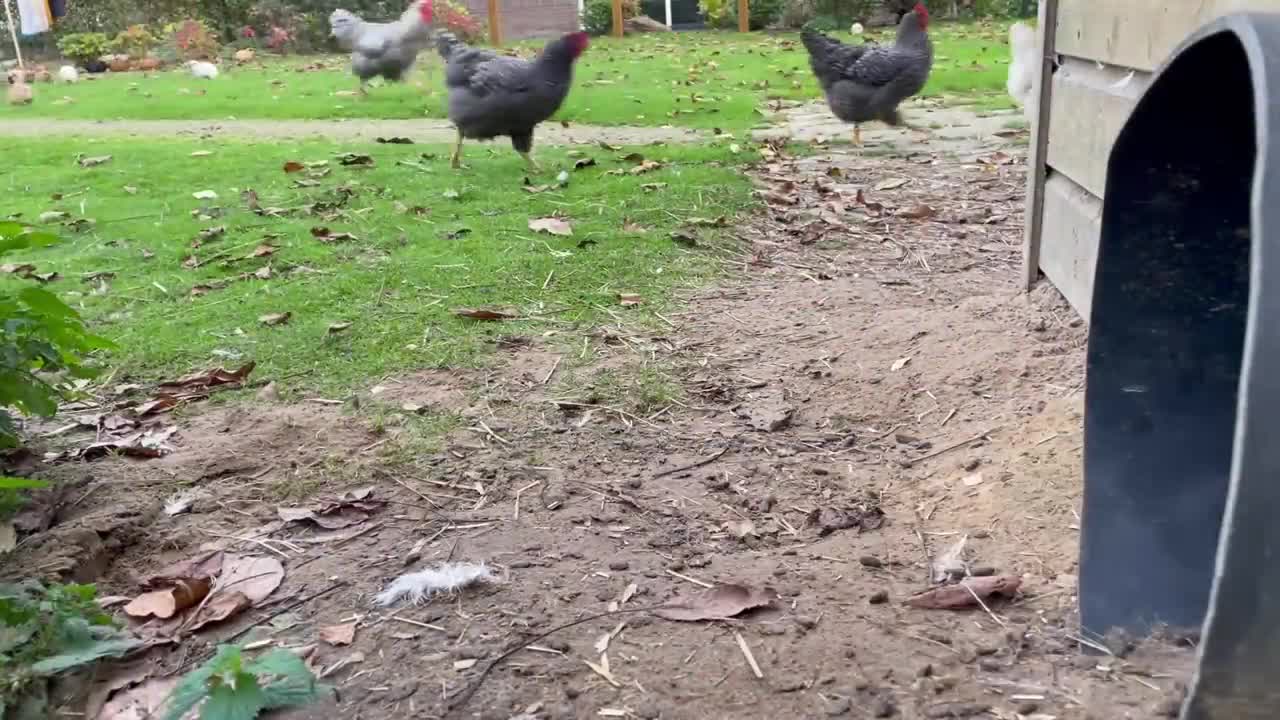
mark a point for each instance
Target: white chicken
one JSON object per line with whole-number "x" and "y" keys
{"x": 202, "y": 69}
{"x": 68, "y": 74}
{"x": 1023, "y": 67}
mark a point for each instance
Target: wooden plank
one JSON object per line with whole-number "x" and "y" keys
{"x": 1072, "y": 228}
{"x": 1088, "y": 110}
{"x": 744, "y": 16}
{"x": 495, "y": 24}
{"x": 1039, "y": 144}
{"x": 617, "y": 18}
{"x": 1138, "y": 33}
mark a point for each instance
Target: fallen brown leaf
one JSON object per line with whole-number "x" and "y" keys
{"x": 338, "y": 327}
{"x": 627, "y": 299}
{"x": 965, "y": 593}
{"x": 552, "y": 226}
{"x": 255, "y": 577}
{"x": 917, "y": 212}
{"x": 644, "y": 167}
{"x": 890, "y": 184}
{"x": 140, "y": 702}
{"x": 483, "y": 314}
{"x": 271, "y": 319}
{"x": 293, "y": 166}
{"x": 221, "y": 605}
{"x": 324, "y": 234}
{"x": 343, "y": 634}
{"x": 719, "y": 602}
{"x": 168, "y": 602}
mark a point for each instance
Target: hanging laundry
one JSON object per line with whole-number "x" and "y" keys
{"x": 37, "y": 16}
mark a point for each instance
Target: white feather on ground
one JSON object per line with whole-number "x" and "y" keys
{"x": 445, "y": 578}
{"x": 1023, "y": 67}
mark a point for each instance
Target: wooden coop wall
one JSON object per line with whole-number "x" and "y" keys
{"x": 522, "y": 19}
{"x": 1081, "y": 112}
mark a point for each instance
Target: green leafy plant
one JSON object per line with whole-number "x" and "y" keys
{"x": 43, "y": 342}
{"x": 716, "y": 12}
{"x": 135, "y": 41}
{"x": 84, "y": 47}
{"x": 760, "y": 13}
{"x": 48, "y": 630}
{"x": 823, "y": 24}
{"x": 597, "y": 15}
{"x": 231, "y": 687}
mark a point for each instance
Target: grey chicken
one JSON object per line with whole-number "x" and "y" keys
{"x": 492, "y": 95}
{"x": 867, "y": 82}
{"x": 386, "y": 49}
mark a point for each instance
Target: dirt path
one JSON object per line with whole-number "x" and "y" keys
{"x": 950, "y": 128}
{"x": 869, "y": 389}
{"x": 427, "y": 131}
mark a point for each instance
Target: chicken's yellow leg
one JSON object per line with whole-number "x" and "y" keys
{"x": 857, "y": 135}
{"x": 533, "y": 164}
{"x": 455, "y": 160}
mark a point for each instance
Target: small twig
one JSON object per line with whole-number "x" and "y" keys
{"x": 686, "y": 578}
{"x": 746, "y": 652}
{"x": 607, "y": 408}
{"x": 516, "y": 514}
{"x": 462, "y": 696}
{"x": 415, "y": 623}
{"x": 691, "y": 466}
{"x": 495, "y": 435}
{"x": 947, "y": 449}
{"x": 982, "y": 604}
{"x": 411, "y": 489}
{"x": 547, "y": 378}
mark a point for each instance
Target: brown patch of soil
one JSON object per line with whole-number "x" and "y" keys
{"x": 865, "y": 362}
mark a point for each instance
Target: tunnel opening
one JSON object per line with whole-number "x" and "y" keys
{"x": 1166, "y": 343}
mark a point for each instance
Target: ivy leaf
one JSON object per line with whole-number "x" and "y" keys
{"x": 84, "y": 655}
{"x": 243, "y": 701}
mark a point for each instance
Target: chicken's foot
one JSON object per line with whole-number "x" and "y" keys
{"x": 531, "y": 162}
{"x": 857, "y": 136}
{"x": 455, "y": 159}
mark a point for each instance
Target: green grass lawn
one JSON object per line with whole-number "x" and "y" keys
{"x": 426, "y": 240}
{"x": 698, "y": 79}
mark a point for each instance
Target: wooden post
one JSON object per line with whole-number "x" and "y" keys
{"x": 495, "y": 24}
{"x": 1036, "y": 169}
{"x": 13, "y": 33}
{"x": 617, "y": 18}
{"x": 744, "y": 19}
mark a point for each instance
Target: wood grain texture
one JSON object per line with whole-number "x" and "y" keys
{"x": 1088, "y": 108}
{"x": 1138, "y": 34}
{"x": 1071, "y": 231}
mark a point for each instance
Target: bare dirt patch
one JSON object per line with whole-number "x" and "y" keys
{"x": 868, "y": 390}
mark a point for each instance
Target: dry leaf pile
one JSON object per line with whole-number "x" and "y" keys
{"x": 197, "y": 592}
{"x": 336, "y": 512}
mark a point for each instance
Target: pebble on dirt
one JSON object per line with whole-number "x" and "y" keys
{"x": 879, "y": 597}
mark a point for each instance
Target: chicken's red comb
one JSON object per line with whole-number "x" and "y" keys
{"x": 923, "y": 13}
{"x": 426, "y": 11}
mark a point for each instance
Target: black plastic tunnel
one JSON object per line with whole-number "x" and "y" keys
{"x": 1181, "y": 521}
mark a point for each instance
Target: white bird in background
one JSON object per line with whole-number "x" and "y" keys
{"x": 202, "y": 69}
{"x": 68, "y": 74}
{"x": 1023, "y": 67}
{"x": 855, "y": 29}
